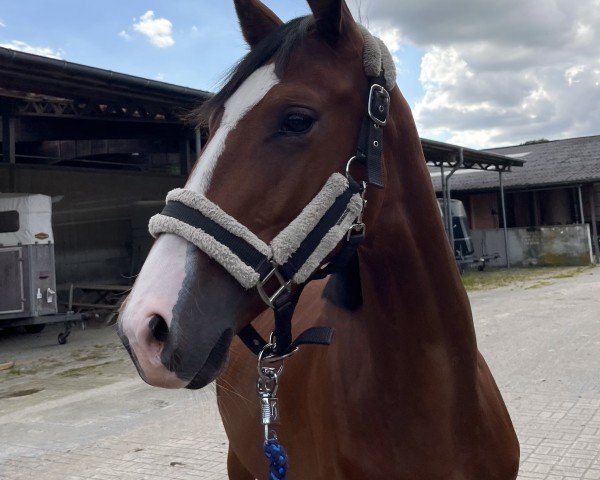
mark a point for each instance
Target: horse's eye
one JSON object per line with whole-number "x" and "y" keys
{"x": 296, "y": 123}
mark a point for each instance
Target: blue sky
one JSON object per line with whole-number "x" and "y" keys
{"x": 206, "y": 37}
{"x": 480, "y": 73}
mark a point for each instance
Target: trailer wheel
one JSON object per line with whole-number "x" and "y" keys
{"x": 62, "y": 338}
{"x": 34, "y": 328}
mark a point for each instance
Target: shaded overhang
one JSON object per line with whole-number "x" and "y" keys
{"x": 438, "y": 154}
{"x": 25, "y": 72}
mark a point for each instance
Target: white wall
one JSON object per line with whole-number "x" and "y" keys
{"x": 543, "y": 246}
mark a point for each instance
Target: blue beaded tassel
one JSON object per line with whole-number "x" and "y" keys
{"x": 278, "y": 461}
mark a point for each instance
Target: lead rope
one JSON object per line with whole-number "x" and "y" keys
{"x": 267, "y": 385}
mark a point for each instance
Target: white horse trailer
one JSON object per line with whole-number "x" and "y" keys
{"x": 27, "y": 275}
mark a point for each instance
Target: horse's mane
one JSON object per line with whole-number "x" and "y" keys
{"x": 278, "y": 45}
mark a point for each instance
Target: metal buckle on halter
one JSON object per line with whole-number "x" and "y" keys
{"x": 356, "y": 229}
{"x": 283, "y": 285}
{"x": 380, "y": 116}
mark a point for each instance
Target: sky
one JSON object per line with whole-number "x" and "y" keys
{"x": 478, "y": 73}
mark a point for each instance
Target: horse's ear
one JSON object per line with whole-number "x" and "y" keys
{"x": 332, "y": 17}
{"x": 256, "y": 20}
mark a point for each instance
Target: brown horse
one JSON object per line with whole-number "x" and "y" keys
{"x": 402, "y": 392}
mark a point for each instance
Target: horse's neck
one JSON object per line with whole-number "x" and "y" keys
{"x": 416, "y": 313}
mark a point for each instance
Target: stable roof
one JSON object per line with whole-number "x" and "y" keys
{"x": 573, "y": 161}
{"x": 26, "y": 72}
{"x": 440, "y": 153}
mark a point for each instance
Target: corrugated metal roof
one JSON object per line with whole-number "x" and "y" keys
{"x": 570, "y": 161}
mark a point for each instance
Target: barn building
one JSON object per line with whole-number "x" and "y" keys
{"x": 100, "y": 144}
{"x": 107, "y": 147}
{"x": 555, "y": 195}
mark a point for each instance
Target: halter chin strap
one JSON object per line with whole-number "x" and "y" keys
{"x": 280, "y": 270}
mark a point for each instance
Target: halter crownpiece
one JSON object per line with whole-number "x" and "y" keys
{"x": 377, "y": 59}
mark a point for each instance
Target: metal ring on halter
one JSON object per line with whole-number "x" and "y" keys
{"x": 272, "y": 358}
{"x": 279, "y": 358}
{"x": 261, "y": 359}
{"x": 348, "y": 166}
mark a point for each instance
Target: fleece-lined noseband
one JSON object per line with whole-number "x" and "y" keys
{"x": 295, "y": 255}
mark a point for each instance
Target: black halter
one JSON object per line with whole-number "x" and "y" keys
{"x": 275, "y": 281}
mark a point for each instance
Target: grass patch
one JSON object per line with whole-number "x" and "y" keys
{"x": 522, "y": 277}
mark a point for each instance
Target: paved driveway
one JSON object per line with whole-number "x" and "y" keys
{"x": 79, "y": 411}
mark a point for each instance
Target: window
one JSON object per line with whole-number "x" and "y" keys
{"x": 9, "y": 221}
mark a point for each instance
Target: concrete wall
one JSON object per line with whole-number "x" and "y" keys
{"x": 92, "y": 218}
{"x": 568, "y": 245}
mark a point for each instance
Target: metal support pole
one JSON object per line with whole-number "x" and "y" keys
{"x": 581, "y": 214}
{"x": 184, "y": 156}
{"x": 503, "y": 202}
{"x": 8, "y": 143}
{"x": 595, "y": 246}
{"x": 449, "y": 198}
{"x": 198, "y": 139}
{"x": 444, "y": 210}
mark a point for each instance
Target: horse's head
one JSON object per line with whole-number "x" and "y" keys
{"x": 286, "y": 120}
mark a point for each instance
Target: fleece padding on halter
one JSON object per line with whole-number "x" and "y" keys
{"x": 166, "y": 222}
{"x": 299, "y": 248}
{"x": 290, "y": 239}
{"x": 377, "y": 58}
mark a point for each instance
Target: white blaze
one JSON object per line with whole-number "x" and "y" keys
{"x": 160, "y": 281}
{"x": 252, "y": 91}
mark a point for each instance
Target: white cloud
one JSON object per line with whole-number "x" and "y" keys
{"x": 392, "y": 39}
{"x": 124, "y": 35}
{"x": 159, "y": 31}
{"x": 498, "y": 73}
{"x": 2, "y": 24}
{"x": 24, "y": 47}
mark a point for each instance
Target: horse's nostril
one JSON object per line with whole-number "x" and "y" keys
{"x": 159, "y": 328}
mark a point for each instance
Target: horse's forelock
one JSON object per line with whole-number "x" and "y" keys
{"x": 277, "y": 46}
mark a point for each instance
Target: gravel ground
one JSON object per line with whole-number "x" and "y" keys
{"x": 79, "y": 411}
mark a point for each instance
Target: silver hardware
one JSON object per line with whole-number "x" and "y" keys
{"x": 266, "y": 386}
{"x": 348, "y": 164}
{"x": 376, "y": 87}
{"x": 283, "y": 286}
{"x": 358, "y": 226}
{"x": 279, "y": 358}
{"x": 375, "y": 143}
{"x": 264, "y": 357}
{"x": 50, "y": 295}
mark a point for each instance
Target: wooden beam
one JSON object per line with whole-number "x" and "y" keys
{"x": 184, "y": 156}
{"x": 8, "y": 142}
{"x": 537, "y": 214}
{"x": 8, "y": 133}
